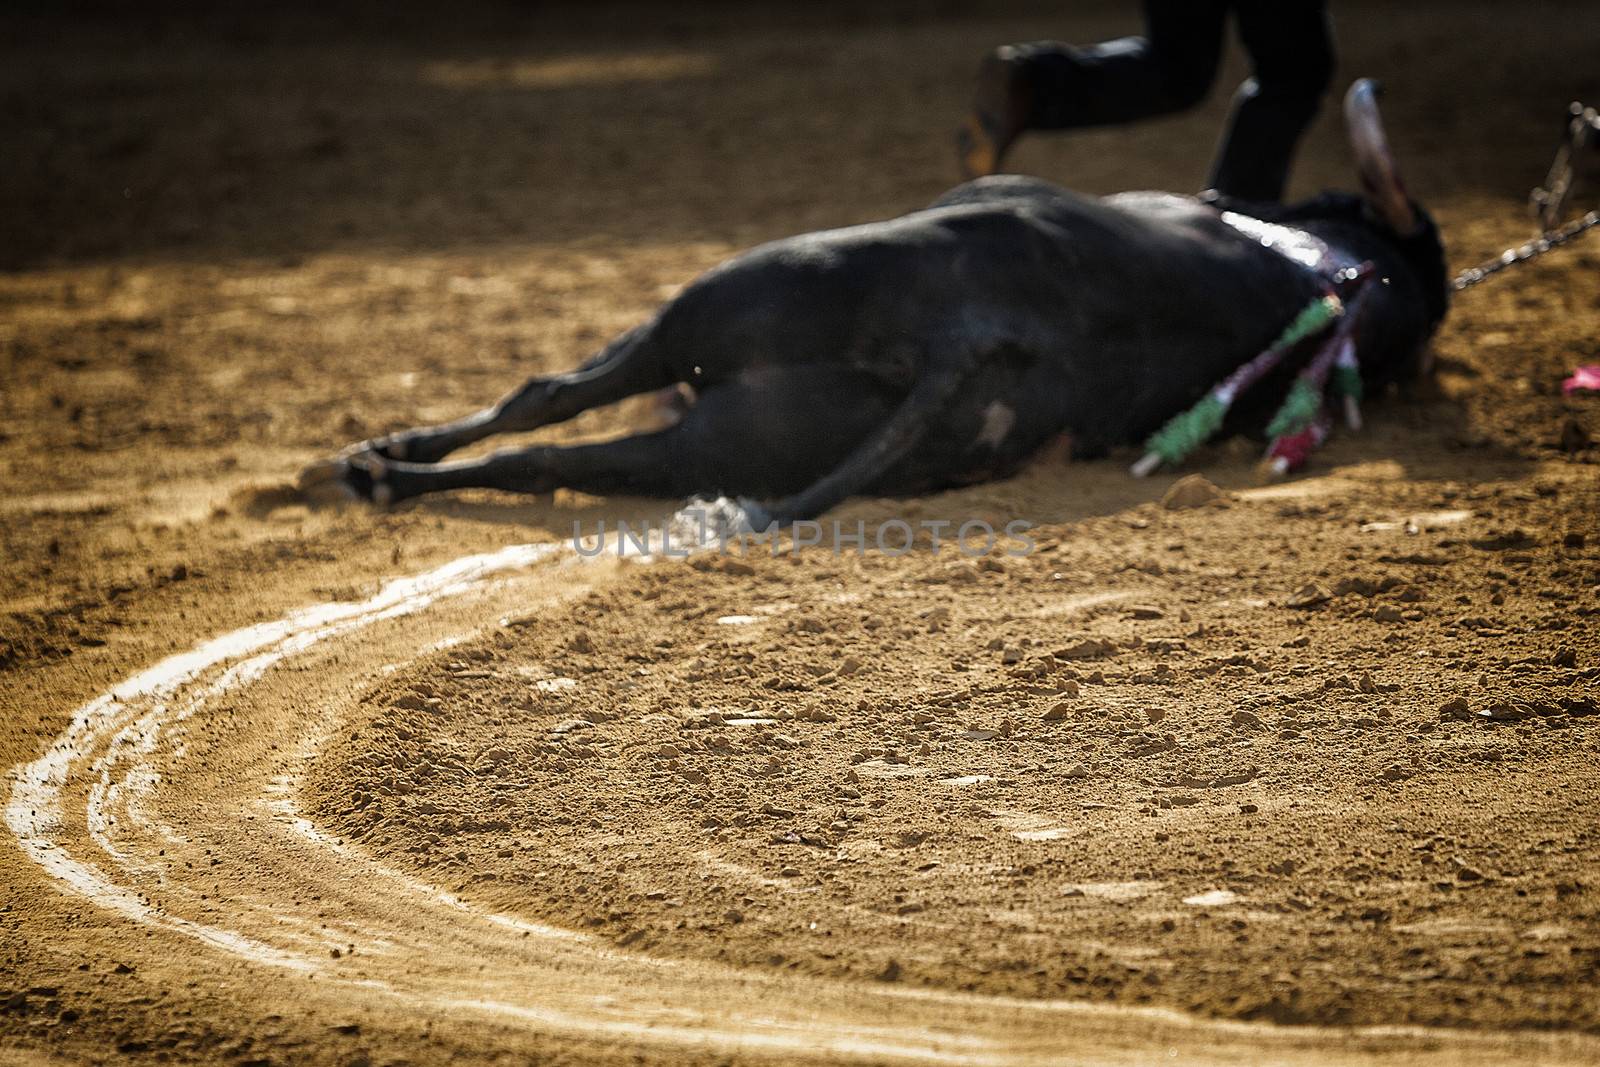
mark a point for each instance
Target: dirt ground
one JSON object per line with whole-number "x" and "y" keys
{"x": 1305, "y": 773}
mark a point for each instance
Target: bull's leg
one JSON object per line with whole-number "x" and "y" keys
{"x": 644, "y": 464}
{"x": 629, "y": 365}
{"x": 772, "y": 432}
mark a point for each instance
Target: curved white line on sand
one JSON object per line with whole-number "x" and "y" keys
{"x": 35, "y": 813}
{"x": 548, "y": 978}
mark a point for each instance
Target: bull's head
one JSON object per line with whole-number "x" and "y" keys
{"x": 1385, "y": 193}
{"x": 1408, "y": 230}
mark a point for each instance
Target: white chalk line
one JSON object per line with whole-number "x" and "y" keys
{"x": 36, "y": 811}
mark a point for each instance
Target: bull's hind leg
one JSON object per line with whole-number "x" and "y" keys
{"x": 775, "y": 431}
{"x": 629, "y": 365}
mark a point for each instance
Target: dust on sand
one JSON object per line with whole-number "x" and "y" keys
{"x": 1318, "y": 753}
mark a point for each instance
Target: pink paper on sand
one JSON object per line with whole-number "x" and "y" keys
{"x": 1586, "y": 377}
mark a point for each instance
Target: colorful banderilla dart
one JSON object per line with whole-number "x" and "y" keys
{"x": 1304, "y": 400}
{"x": 1289, "y": 453}
{"x": 1346, "y": 367}
{"x": 1347, "y": 383}
{"x": 1187, "y": 431}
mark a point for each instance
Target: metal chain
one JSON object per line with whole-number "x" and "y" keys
{"x": 1535, "y": 248}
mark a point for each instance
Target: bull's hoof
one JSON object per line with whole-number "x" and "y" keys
{"x": 366, "y": 477}
{"x": 320, "y": 475}
{"x": 362, "y": 477}
{"x": 396, "y": 446}
{"x": 425, "y": 444}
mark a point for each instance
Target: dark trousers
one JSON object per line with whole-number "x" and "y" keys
{"x": 1172, "y": 67}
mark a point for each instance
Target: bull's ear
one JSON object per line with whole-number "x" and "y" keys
{"x": 1380, "y": 177}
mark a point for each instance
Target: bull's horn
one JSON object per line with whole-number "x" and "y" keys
{"x": 1380, "y": 178}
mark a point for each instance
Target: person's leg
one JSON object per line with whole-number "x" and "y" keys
{"x": 1047, "y": 85}
{"x": 1290, "y": 43}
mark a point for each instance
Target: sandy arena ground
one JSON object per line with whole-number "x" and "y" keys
{"x": 1305, "y": 773}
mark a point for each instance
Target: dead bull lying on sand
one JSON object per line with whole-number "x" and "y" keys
{"x": 946, "y": 346}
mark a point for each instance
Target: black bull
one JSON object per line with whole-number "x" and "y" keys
{"x": 935, "y": 349}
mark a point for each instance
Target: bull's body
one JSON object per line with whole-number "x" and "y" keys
{"x": 938, "y": 348}
{"x": 1060, "y": 313}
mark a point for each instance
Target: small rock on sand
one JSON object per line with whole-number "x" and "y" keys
{"x": 1309, "y": 595}
{"x": 1089, "y": 648}
{"x": 1193, "y": 491}
{"x": 1358, "y": 585}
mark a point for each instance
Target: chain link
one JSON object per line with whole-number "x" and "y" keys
{"x": 1535, "y": 248}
